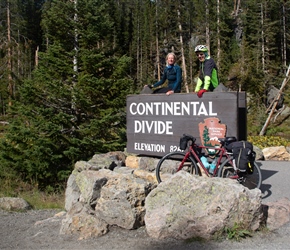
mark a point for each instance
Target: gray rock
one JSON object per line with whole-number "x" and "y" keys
{"x": 82, "y": 221}
{"x": 277, "y": 213}
{"x": 221, "y": 88}
{"x": 72, "y": 193}
{"x": 276, "y": 154}
{"x": 14, "y": 204}
{"x": 109, "y": 197}
{"x": 109, "y": 160}
{"x": 272, "y": 95}
{"x": 259, "y": 153}
{"x": 187, "y": 206}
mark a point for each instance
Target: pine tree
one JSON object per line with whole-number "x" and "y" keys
{"x": 63, "y": 114}
{"x": 15, "y": 50}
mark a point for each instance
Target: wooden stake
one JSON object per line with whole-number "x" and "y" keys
{"x": 275, "y": 102}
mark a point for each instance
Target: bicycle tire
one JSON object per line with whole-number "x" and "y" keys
{"x": 250, "y": 181}
{"x": 169, "y": 164}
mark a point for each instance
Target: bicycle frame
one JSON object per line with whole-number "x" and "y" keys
{"x": 192, "y": 151}
{"x": 189, "y": 158}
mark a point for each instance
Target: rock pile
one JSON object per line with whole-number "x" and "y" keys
{"x": 127, "y": 195}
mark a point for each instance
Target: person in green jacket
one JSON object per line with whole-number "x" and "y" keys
{"x": 208, "y": 75}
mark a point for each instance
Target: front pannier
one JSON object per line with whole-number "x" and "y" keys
{"x": 184, "y": 141}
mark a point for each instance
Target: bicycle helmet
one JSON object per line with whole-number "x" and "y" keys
{"x": 201, "y": 48}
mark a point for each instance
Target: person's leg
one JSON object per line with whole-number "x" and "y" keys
{"x": 161, "y": 91}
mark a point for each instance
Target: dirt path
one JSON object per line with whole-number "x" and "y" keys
{"x": 39, "y": 229}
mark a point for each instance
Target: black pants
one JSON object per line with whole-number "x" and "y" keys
{"x": 163, "y": 90}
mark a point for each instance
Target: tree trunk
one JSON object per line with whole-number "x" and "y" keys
{"x": 262, "y": 39}
{"x": 75, "y": 58}
{"x": 36, "y": 56}
{"x": 9, "y": 56}
{"x": 157, "y": 44}
{"x": 182, "y": 55}
{"x": 218, "y": 35}
{"x": 284, "y": 45}
{"x": 207, "y": 25}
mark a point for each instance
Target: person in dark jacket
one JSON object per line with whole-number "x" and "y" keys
{"x": 173, "y": 74}
{"x": 208, "y": 75}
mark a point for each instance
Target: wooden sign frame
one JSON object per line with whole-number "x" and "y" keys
{"x": 155, "y": 122}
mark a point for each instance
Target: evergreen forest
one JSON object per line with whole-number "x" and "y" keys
{"x": 66, "y": 68}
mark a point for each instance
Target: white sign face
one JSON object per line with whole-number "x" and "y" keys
{"x": 155, "y": 123}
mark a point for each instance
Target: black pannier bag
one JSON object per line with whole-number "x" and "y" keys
{"x": 184, "y": 141}
{"x": 228, "y": 140}
{"x": 244, "y": 155}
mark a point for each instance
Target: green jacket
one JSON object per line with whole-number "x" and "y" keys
{"x": 208, "y": 75}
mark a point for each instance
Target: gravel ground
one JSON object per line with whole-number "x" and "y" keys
{"x": 39, "y": 229}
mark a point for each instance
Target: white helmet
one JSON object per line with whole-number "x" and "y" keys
{"x": 201, "y": 48}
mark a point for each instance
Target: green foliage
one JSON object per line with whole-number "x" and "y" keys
{"x": 256, "y": 116}
{"x": 237, "y": 232}
{"x": 51, "y": 128}
{"x": 268, "y": 141}
{"x": 68, "y": 112}
{"x": 276, "y": 134}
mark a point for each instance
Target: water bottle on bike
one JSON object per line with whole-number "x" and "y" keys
{"x": 205, "y": 162}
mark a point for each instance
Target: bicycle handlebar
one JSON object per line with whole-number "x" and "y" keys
{"x": 224, "y": 141}
{"x": 189, "y": 137}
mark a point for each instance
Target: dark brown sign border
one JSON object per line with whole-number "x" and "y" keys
{"x": 155, "y": 123}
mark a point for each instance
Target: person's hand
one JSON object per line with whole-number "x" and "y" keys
{"x": 200, "y": 93}
{"x": 169, "y": 92}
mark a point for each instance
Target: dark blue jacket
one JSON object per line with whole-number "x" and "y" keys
{"x": 174, "y": 77}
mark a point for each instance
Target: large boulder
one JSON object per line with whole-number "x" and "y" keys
{"x": 187, "y": 206}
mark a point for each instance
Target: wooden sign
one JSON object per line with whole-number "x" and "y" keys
{"x": 155, "y": 123}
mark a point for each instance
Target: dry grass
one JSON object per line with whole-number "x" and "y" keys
{"x": 37, "y": 199}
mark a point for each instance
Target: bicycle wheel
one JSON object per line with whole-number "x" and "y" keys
{"x": 171, "y": 163}
{"x": 250, "y": 181}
